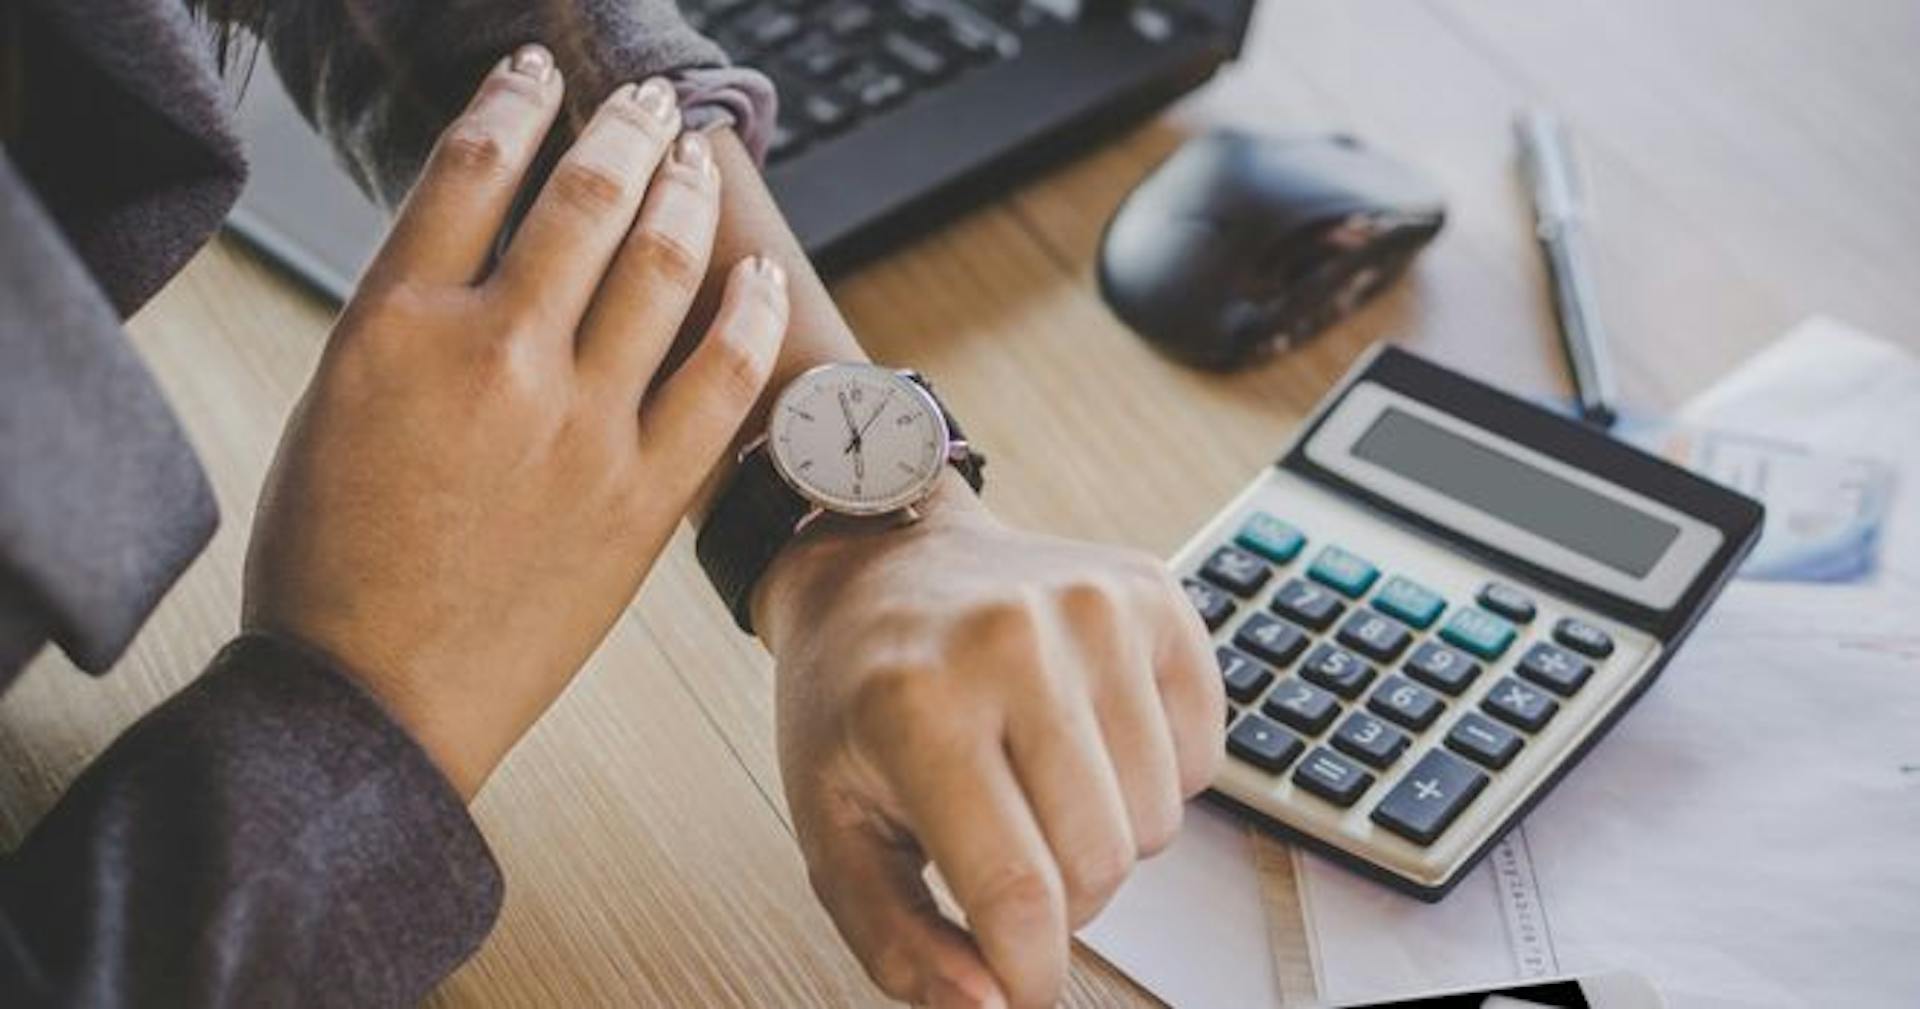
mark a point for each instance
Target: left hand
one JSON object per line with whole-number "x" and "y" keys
{"x": 1027, "y": 712}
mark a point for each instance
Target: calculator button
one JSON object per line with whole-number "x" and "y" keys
{"x": 1583, "y": 637}
{"x": 1369, "y": 740}
{"x": 1213, "y": 605}
{"x": 1273, "y": 641}
{"x": 1298, "y": 706}
{"x": 1307, "y": 604}
{"x": 1236, "y": 570}
{"x": 1430, "y": 797}
{"x": 1441, "y": 667}
{"x": 1556, "y": 669}
{"x": 1263, "y": 744}
{"x": 1409, "y": 601}
{"x": 1507, "y": 601}
{"x": 1478, "y": 632}
{"x": 1375, "y": 635}
{"x": 1244, "y": 678}
{"x": 1519, "y": 705}
{"x": 1343, "y": 572}
{"x": 1271, "y": 538}
{"x": 1332, "y": 777}
{"x": 1485, "y": 740}
{"x": 1401, "y": 700}
{"x": 1338, "y": 670}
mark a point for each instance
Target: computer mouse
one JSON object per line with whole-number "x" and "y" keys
{"x": 1240, "y": 245}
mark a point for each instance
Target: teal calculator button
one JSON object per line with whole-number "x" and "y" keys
{"x": 1343, "y": 572}
{"x": 1412, "y": 602}
{"x": 1271, "y": 538}
{"x": 1478, "y": 632}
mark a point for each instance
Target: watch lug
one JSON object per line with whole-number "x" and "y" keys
{"x": 910, "y": 514}
{"x": 813, "y": 515}
{"x": 759, "y": 441}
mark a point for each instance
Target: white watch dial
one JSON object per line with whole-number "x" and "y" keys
{"x": 857, "y": 438}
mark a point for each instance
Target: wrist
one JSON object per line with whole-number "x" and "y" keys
{"x": 816, "y": 567}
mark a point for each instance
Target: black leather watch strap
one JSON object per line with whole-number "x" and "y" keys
{"x": 757, "y": 514}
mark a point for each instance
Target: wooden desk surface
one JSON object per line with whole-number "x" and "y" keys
{"x": 1753, "y": 162}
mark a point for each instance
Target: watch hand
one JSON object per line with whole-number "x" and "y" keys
{"x": 853, "y": 429}
{"x": 877, "y": 411}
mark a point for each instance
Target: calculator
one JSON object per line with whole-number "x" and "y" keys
{"x": 1431, "y": 608}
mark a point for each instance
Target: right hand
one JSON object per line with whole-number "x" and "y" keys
{"x": 484, "y": 467}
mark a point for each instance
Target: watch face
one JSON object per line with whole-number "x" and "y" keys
{"x": 857, "y": 438}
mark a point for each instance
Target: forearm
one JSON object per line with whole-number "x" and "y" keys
{"x": 267, "y": 836}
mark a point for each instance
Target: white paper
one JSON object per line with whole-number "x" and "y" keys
{"x": 1750, "y": 833}
{"x": 1190, "y": 925}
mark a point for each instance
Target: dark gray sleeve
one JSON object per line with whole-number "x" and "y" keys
{"x": 382, "y": 78}
{"x": 267, "y": 837}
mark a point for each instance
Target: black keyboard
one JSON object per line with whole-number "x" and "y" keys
{"x": 836, "y": 62}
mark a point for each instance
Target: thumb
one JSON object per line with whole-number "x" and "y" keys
{"x": 872, "y": 887}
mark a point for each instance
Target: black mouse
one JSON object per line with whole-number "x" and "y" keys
{"x": 1241, "y": 245}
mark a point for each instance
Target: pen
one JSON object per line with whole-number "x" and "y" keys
{"x": 1560, "y": 216}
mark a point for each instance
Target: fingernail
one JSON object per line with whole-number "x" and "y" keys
{"x": 693, "y": 151}
{"x": 533, "y": 60}
{"x": 771, "y": 272}
{"x": 656, "y": 98}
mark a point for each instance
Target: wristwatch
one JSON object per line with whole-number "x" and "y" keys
{"x": 850, "y": 439}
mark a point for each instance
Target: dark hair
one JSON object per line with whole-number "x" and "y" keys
{"x": 226, "y": 20}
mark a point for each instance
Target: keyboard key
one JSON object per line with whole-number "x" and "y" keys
{"x": 1343, "y": 572}
{"x": 1519, "y": 705}
{"x": 818, "y": 56}
{"x": 1442, "y": 668}
{"x": 1263, "y": 744}
{"x": 1213, "y": 605}
{"x": 1244, "y": 678}
{"x": 1369, "y": 740}
{"x": 1506, "y": 601}
{"x": 1338, "y": 670}
{"x": 1583, "y": 637}
{"x": 1401, "y": 700}
{"x": 1271, "y": 538}
{"x": 848, "y": 17}
{"x": 1409, "y": 602}
{"x": 1236, "y": 570}
{"x": 787, "y": 141}
{"x": 1375, "y": 635}
{"x": 1332, "y": 777}
{"x": 1306, "y": 709}
{"x": 1485, "y": 740}
{"x": 1556, "y": 669}
{"x": 824, "y": 114}
{"x": 917, "y": 56}
{"x": 1307, "y": 604}
{"x": 1430, "y": 797}
{"x": 1275, "y": 642}
{"x": 767, "y": 26}
{"x": 1478, "y": 632}
{"x": 873, "y": 86}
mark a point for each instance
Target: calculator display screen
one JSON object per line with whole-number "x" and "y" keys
{"x": 1590, "y": 524}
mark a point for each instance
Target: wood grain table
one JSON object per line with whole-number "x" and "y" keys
{"x": 1754, "y": 161}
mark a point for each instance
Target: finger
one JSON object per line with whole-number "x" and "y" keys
{"x": 446, "y": 229}
{"x": 1135, "y": 732}
{"x": 555, "y": 261}
{"x": 1060, "y": 757}
{"x": 970, "y": 815}
{"x": 1191, "y": 694}
{"x": 873, "y": 891}
{"x": 653, "y": 280}
{"x": 696, "y": 413}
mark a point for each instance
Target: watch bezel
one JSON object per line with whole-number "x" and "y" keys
{"x": 915, "y": 493}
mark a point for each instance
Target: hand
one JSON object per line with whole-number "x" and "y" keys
{"x": 1027, "y": 712}
{"x": 478, "y": 478}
